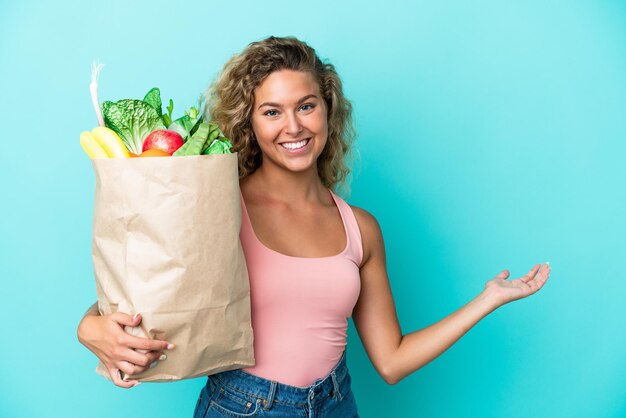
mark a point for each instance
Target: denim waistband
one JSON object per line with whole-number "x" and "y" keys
{"x": 270, "y": 391}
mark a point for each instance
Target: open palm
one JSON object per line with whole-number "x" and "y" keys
{"x": 504, "y": 291}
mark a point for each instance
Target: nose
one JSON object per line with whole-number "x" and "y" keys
{"x": 293, "y": 126}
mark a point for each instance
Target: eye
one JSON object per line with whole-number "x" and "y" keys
{"x": 307, "y": 106}
{"x": 271, "y": 112}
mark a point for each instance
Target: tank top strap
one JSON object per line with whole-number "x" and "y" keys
{"x": 355, "y": 243}
{"x": 246, "y": 233}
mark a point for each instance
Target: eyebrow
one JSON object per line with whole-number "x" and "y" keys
{"x": 308, "y": 96}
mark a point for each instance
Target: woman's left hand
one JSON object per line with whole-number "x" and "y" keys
{"x": 502, "y": 291}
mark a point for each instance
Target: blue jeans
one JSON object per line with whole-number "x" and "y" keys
{"x": 235, "y": 393}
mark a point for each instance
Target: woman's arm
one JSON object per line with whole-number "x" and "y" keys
{"x": 104, "y": 336}
{"x": 93, "y": 310}
{"x": 395, "y": 356}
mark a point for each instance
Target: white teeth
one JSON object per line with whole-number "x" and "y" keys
{"x": 295, "y": 145}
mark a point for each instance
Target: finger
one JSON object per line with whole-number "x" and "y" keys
{"x": 153, "y": 360}
{"x": 117, "y": 379}
{"x": 140, "y": 343}
{"x": 153, "y": 356}
{"x": 128, "y": 368}
{"x": 503, "y": 274}
{"x": 131, "y": 369}
{"x": 132, "y": 356}
{"x": 531, "y": 274}
{"x": 125, "y": 319}
{"x": 157, "y": 356}
{"x": 542, "y": 272}
{"x": 541, "y": 277}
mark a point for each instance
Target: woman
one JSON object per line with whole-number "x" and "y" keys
{"x": 313, "y": 260}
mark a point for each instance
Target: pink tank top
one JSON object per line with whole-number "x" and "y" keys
{"x": 301, "y": 306}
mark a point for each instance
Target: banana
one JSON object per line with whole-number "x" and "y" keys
{"x": 110, "y": 142}
{"x": 91, "y": 146}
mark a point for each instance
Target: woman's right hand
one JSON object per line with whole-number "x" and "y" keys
{"x": 104, "y": 335}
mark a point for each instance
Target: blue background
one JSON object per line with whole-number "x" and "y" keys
{"x": 491, "y": 137}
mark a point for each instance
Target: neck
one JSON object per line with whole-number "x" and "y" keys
{"x": 289, "y": 187}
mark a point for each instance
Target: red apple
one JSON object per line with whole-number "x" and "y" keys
{"x": 164, "y": 140}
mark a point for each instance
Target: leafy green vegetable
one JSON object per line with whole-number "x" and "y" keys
{"x": 185, "y": 126}
{"x": 167, "y": 119}
{"x": 197, "y": 141}
{"x": 214, "y": 133}
{"x": 193, "y": 113}
{"x": 208, "y": 139}
{"x": 217, "y": 143}
{"x": 219, "y": 147}
{"x": 132, "y": 120}
{"x": 182, "y": 150}
{"x": 153, "y": 98}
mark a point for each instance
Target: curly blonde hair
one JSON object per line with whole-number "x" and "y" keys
{"x": 229, "y": 101}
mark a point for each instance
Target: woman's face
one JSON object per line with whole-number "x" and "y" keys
{"x": 289, "y": 120}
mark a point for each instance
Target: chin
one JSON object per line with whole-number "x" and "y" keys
{"x": 301, "y": 169}
{"x": 298, "y": 166}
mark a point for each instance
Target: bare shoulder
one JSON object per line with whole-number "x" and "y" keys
{"x": 366, "y": 220}
{"x": 371, "y": 234}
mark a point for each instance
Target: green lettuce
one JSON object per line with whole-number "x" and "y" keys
{"x": 133, "y": 120}
{"x": 219, "y": 146}
{"x": 153, "y": 98}
{"x": 217, "y": 143}
{"x": 185, "y": 126}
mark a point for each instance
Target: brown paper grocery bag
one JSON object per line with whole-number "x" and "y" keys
{"x": 166, "y": 245}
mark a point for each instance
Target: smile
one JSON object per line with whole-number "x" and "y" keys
{"x": 295, "y": 145}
